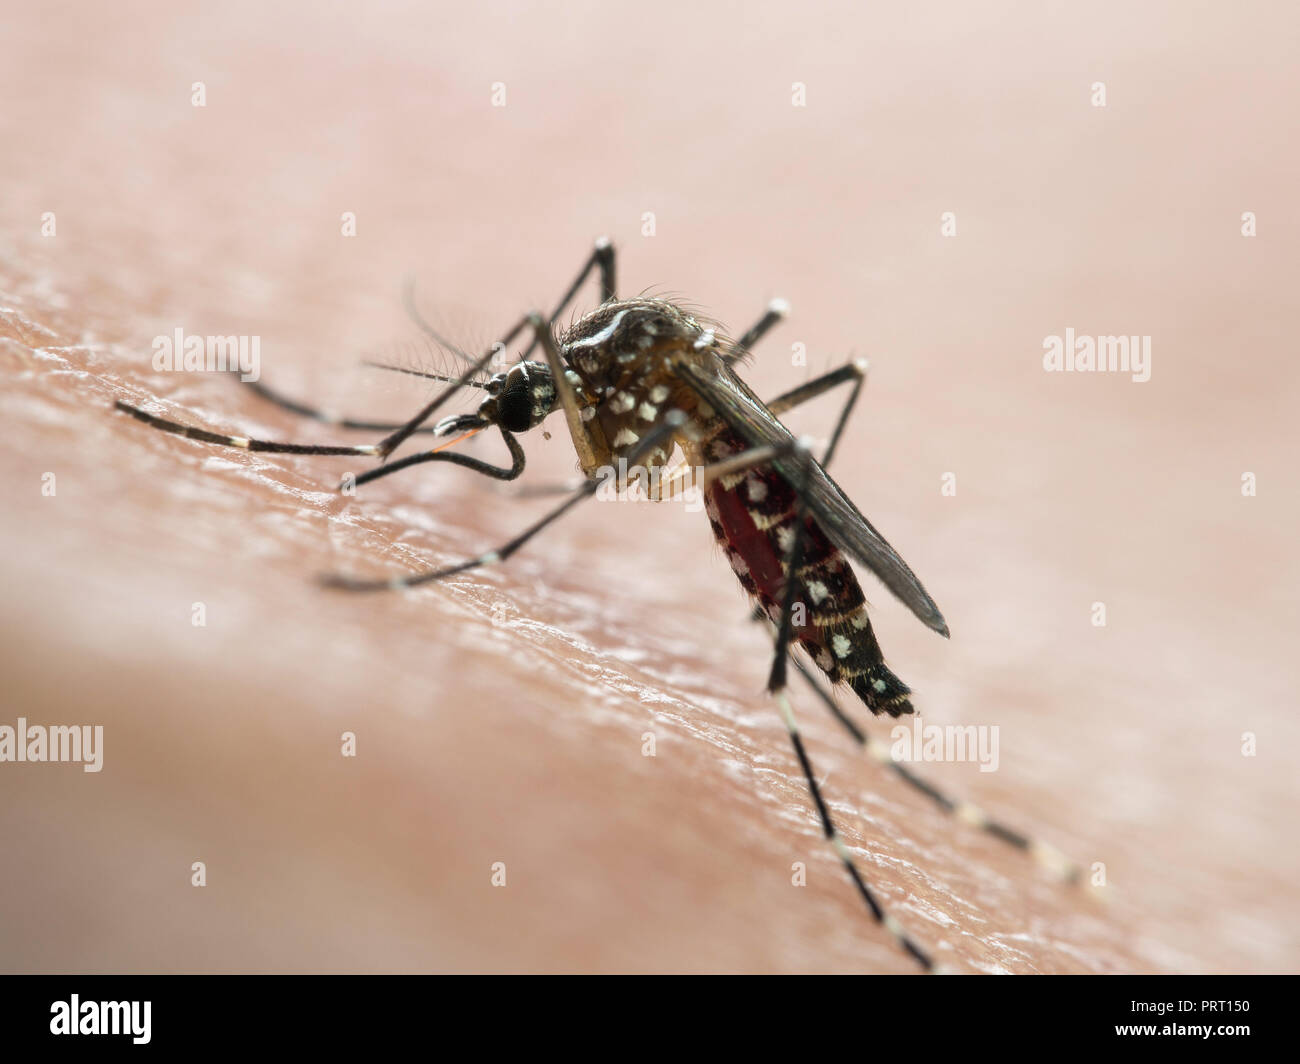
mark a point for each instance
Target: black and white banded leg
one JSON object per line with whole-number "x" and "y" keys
{"x": 657, "y": 437}
{"x": 381, "y": 450}
{"x": 244, "y": 443}
{"x": 776, "y": 685}
{"x": 601, "y": 259}
{"x": 776, "y": 310}
{"x": 511, "y": 472}
{"x": 326, "y": 417}
{"x": 777, "y": 677}
{"x": 967, "y": 812}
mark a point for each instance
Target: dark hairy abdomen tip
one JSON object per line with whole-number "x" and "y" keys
{"x": 882, "y": 692}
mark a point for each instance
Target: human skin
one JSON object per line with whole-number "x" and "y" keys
{"x": 501, "y": 717}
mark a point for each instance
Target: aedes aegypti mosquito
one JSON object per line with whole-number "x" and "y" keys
{"x": 637, "y": 379}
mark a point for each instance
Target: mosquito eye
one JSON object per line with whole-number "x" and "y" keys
{"x": 515, "y": 406}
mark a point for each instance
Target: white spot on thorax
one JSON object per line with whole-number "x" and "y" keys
{"x": 604, "y": 334}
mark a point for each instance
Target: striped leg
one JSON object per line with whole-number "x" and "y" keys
{"x": 380, "y": 450}
{"x": 437, "y": 454}
{"x": 776, "y": 686}
{"x": 1048, "y": 856}
{"x": 777, "y": 678}
{"x": 326, "y": 417}
{"x": 663, "y": 432}
{"x": 792, "y": 563}
{"x": 600, "y": 259}
{"x": 390, "y": 443}
{"x": 776, "y": 310}
{"x": 245, "y": 443}
{"x": 684, "y": 477}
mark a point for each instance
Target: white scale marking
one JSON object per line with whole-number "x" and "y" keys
{"x": 603, "y": 335}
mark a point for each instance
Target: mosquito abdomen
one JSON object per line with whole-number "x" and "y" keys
{"x": 753, "y": 515}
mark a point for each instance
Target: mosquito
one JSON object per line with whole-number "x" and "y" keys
{"x": 637, "y": 381}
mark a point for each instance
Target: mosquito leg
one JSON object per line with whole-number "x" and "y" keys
{"x": 967, "y": 812}
{"x": 776, "y": 686}
{"x": 777, "y": 678}
{"x": 588, "y": 437}
{"x": 776, "y": 310}
{"x": 496, "y": 472}
{"x": 390, "y": 443}
{"x": 856, "y": 370}
{"x": 245, "y": 443}
{"x": 891, "y": 925}
{"x": 663, "y": 432}
{"x": 602, "y": 259}
{"x": 590, "y": 449}
{"x": 748, "y": 459}
{"x": 687, "y": 477}
{"x": 324, "y": 416}
{"x": 543, "y": 491}
{"x": 380, "y": 450}
{"x": 777, "y": 682}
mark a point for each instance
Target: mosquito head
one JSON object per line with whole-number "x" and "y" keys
{"x": 518, "y": 399}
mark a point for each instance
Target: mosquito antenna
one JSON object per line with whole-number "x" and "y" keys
{"x": 408, "y": 300}
{"x": 422, "y": 373}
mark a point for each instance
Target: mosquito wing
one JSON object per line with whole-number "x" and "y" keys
{"x": 842, "y": 522}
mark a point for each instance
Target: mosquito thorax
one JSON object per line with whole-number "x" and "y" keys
{"x": 519, "y": 398}
{"x": 621, "y": 359}
{"x": 619, "y": 334}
